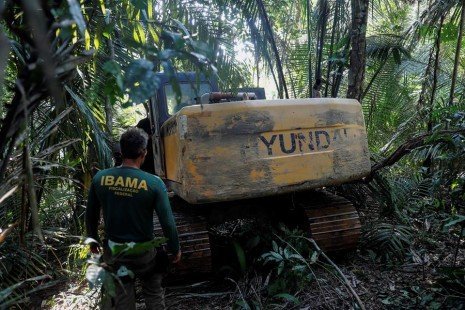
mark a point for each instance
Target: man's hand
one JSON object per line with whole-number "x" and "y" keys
{"x": 176, "y": 258}
{"x": 94, "y": 248}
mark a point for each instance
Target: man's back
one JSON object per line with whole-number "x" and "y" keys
{"x": 128, "y": 197}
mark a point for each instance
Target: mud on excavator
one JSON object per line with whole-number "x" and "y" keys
{"x": 221, "y": 151}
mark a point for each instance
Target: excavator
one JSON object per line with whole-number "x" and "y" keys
{"x": 226, "y": 154}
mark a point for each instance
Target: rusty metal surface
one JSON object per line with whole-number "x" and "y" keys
{"x": 333, "y": 221}
{"x": 194, "y": 241}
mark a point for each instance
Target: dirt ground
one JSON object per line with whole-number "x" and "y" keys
{"x": 416, "y": 282}
{"x": 379, "y": 286}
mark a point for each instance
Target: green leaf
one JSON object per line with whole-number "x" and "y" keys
{"x": 114, "y": 69}
{"x": 99, "y": 136}
{"x": 314, "y": 257}
{"x": 173, "y": 39}
{"x": 277, "y": 256}
{"x": 449, "y": 32}
{"x": 202, "y": 48}
{"x": 243, "y": 304}
{"x": 396, "y": 55}
{"x": 75, "y": 10}
{"x": 139, "y": 4}
{"x": 132, "y": 248}
{"x": 140, "y": 81}
{"x": 386, "y": 301}
{"x": 288, "y": 297}
{"x": 6, "y": 292}
{"x": 454, "y": 220}
{"x": 141, "y": 34}
{"x": 240, "y": 255}
{"x": 109, "y": 284}
{"x": 280, "y": 267}
{"x": 275, "y": 246}
{"x": 299, "y": 268}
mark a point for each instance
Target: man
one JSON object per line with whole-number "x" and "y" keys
{"x": 116, "y": 152}
{"x": 148, "y": 164}
{"x": 128, "y": 197}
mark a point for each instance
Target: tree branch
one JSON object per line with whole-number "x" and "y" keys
{"x": 406, "y": 148}
{"x": 4, "y": 234}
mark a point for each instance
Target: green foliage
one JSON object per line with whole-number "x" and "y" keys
{"x": 292, "y": 263}
{"x": 452, "y": 279}
{"x": 5, "y": 293}
{"x": 101, "y": 275}
{"x": 388, "y": 241}
{"x": 23, "y": 271}
{"x": 140, "y": 80}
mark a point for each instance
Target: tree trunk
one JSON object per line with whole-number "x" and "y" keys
{"x": 457, "y": 54}
{"x": 108, "y": 103}
{"x": 357, "y": 53}
{"x": 271, "y": 40}
{"x": 435, "y": 75}
{"x": 334, "y": 30}
{"x": 33, "y": 205}
{"x": 323, "y": 18}
{"x": 309, "y": 46}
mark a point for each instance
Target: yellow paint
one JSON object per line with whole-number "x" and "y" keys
{"x": 256, "y": 175}
{"x": 171, "y": 149}
{"x": 194, "y": 176}
{"x": 302, "y": 168}
{"x": 264, "y": 147}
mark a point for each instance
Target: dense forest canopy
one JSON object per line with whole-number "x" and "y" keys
{"x": 72, "y": 73}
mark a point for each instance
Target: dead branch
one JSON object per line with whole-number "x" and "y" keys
{"x": 344, "y": 278}
{"x": 4, "y": 234}
{"x": 406, "y": 148}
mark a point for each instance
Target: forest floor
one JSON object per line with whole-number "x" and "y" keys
{"x": 414, "y": 283}
{"x": 408, "y": 285}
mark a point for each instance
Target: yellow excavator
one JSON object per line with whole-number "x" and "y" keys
{"x": 221, "y": 151}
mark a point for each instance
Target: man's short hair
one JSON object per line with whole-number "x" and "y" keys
{"x": 133, "y": 143}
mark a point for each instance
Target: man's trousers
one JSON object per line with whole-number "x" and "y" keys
{"x": 143, "y": 267}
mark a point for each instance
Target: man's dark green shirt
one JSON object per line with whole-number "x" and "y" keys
{"x": 128, "y": 197}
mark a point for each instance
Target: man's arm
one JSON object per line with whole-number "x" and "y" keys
{"x": 166, "y": 218}
{"x": 92, "y": 216}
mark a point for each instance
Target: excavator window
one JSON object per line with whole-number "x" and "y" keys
{"x": 188, "y": 95}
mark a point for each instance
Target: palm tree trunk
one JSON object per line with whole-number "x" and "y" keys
{"x": 320, "y": 43}
{"x": 357, "y": 53}
{"x": 272, "y": 41}
{"x": 428, "y": 162}
{"x": 381, "y": 66}
{"x": 331, "y": 46}
{"x": 340, "y": 71}
{"x": 435, "y": 75}
{"x": 457, "y": 54}
{"x": 309, "y": 45}
{"x": 33, "y": 205}
{"x": 260, "y": 44}
{"x": 108, "y": 103}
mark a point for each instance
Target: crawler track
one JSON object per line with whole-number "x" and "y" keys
{"x": 194, "y": 241}
{"x": 333, "y": 221}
